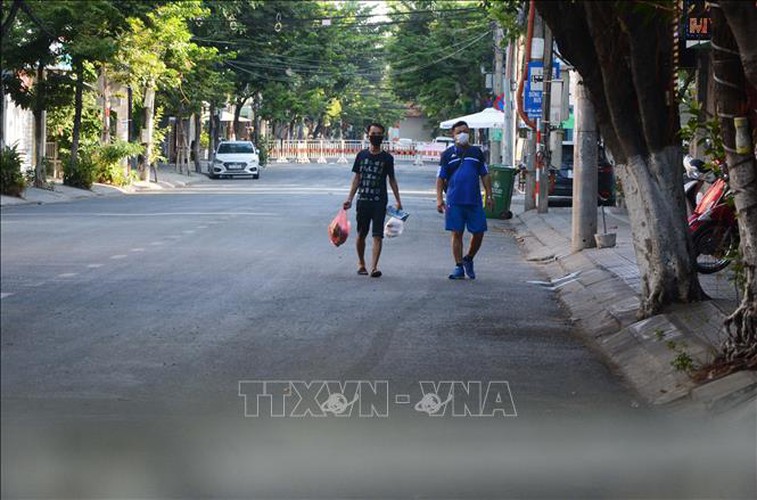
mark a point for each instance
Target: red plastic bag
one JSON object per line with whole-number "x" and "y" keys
{"x": 339, "y": 229}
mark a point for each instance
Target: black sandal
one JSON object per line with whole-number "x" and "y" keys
{"x": 376, "y": 274}
{"x": 362, "y": 271}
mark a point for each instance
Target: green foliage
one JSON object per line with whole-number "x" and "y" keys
{"x": 265, "y": 147}
{"x": 505, "y": 12}
{"x": 324, "y": 76}
{"x": 436, "y": 56}
{"x": 682, "y": 362}
{"x": 155, "y": 51}
{"x": 158, "y": 136}
{"x": 107, "y": 160}
{"x": 60, "y": 122}
{"x": 11, "y": 179}
{"x": 81, "y": 175}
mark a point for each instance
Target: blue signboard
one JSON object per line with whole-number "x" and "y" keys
{"x": 535, "y": 87}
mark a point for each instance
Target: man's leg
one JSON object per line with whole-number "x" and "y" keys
{"x": 457, "y": 254}
{"x": 476, "y": 223}
{"x": 377, "y": 229}
{"x": 377, "y": 244}
{"x": 454, "y": 222}
{"x": 457, "y": 247}
{"x": 475, "y": 244}
{"x": 360, "y": 246}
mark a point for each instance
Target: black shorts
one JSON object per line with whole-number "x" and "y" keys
{"x": 370, "y": 213}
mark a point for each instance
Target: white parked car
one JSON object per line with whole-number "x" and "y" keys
{"x": 235, "y": 159}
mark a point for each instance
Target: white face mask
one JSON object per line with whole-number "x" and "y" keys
{"x": 462, "y": 138}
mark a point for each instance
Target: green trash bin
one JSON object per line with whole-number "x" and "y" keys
{"x": 503, "y": 180}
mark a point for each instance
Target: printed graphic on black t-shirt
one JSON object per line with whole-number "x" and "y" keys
{"x": 373, "y": 170}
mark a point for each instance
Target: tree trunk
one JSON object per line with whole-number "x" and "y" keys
{"x": 78, "y": 103}
{"x": 105, "y": 138}
{"x": 40, "y": 174}
{"x": 212, "y": 130}
{"x": 2, "y": 112}
{"x": 318, "y": 129}
{"x": 149, "y": 107}
{"x": 624, "y": 56}
{"x": 660, "y": 234}
{"x": 196, "y": 144}
{"x": 178, "y": 132}
{"x": 729, "y": 61}
{"x": 237, "y": 112}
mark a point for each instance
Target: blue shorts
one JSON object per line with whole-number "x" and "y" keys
{"x": 457, "y": 217}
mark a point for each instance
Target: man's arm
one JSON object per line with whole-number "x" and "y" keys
{"x": 353, "y": 189}
{"x": 396, "y": 191}
{"x": 488, "y": 200}
{"x": 439, "y": 195}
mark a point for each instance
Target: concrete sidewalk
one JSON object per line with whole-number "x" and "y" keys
{"x": 601, "y": 290}
{"x": 168, "y": 178}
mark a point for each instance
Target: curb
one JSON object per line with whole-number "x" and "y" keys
{"x": 603, "y": 310}
{"x": 63, "y": 193}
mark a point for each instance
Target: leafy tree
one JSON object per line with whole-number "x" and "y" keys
{"x": 87, "y": 36}
{"x": 200, "y": 83}
{"x": 436, "y": 53}
{"x": 623, "y": 52}
{"x": 153, "y": 54}
{"x": 28, "y": 33}
{"x": 298, "y": 61}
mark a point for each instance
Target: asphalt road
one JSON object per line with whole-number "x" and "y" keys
{"x": 128, "y": 324}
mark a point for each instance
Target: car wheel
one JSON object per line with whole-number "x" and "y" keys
{"x": 256, "y": 176}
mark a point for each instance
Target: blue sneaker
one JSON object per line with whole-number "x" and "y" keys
{"x": 468, "y": 265}
{"x": 457, "y": 273}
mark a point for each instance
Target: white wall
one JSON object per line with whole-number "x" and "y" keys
{"x": 19, "y": 129}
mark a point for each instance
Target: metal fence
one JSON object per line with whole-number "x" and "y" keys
{"x": 336, "y": 151}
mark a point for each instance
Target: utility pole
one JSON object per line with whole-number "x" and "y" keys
{"x": 532, "y": 174}
{"x": 495, "y": 151}
{"x": 507, "y": 109}
{"x": 585, "y": 175}
{"x": 543, "y": 163}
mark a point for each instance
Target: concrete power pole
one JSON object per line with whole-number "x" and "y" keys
{"x": 507, "y": 131}
{"x": 530, "y": 146}
{"x": 546, "y": 101}
{"x": 495, "y": 152}
{"x": 584, "y": 172}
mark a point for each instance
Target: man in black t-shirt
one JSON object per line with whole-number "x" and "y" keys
{"x": 372, "y": 168}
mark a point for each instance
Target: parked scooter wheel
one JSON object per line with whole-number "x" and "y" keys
{"x": 714, "y": 245}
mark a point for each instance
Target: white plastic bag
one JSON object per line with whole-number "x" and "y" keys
{"x": 393, "y": 227}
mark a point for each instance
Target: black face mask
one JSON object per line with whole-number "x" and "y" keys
{"x": 376, "y": 140}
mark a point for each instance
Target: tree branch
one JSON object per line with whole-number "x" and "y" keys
{"x": 650, "y": 44}
{"x": 610, "y": 44}
{"x": 742, "y": 19}
{"x": 11, "y": 17}
{"x": 567, "y": 20}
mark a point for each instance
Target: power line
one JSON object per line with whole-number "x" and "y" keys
{"x": 318, "y": 66}
{"x": 392, "y": 73}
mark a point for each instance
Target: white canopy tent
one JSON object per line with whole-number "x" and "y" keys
{"x": 488, "y": 118}
{"x": 227, "y": 117}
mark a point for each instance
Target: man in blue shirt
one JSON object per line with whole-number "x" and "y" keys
{"x": 460, "y": 169}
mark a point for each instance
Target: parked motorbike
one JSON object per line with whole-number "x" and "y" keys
{"x": 712, "y": 222}
{"x": 696, "y": 175}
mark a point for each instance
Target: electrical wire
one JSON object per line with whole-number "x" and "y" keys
{"x": 392, "y": 73}
{"x": 319, "y": 68}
